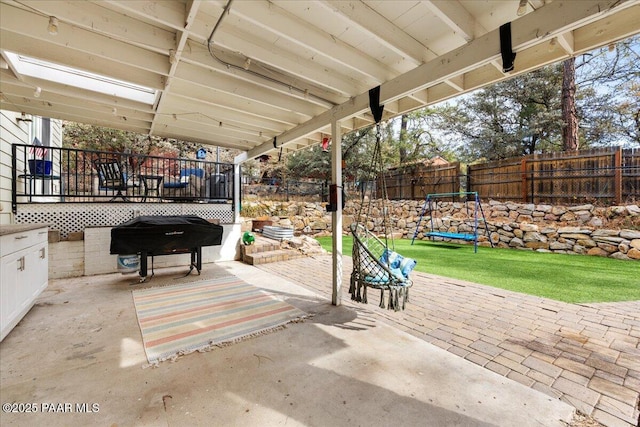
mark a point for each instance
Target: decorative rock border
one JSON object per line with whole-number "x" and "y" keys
{"x": 584, "y": 229}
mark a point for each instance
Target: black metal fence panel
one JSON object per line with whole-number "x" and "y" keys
{"x": 78, "y": 176}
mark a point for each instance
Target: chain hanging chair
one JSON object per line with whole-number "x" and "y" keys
{"x": 374, "y": 264}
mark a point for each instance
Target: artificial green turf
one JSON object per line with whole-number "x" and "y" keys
{"x": 568, "y": 278}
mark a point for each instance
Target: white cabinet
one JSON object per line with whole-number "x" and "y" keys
{"x": 24, "y": 272}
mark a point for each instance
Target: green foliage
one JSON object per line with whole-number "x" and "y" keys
{"x": 89, "y": 137}
{"x": 252, "y": 211}
{"x": 511, "y": 118}
{"x": 609, "y": 93}
{"x": 357, "y": 151}
{"x": 310, "y": 163}
{"x": 568, "y": 278}
{"x": 422, "y": 138}
{"x": 522, "y": 115}
{"x": 251, "y": 170}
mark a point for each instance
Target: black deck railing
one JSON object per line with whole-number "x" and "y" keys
{"x": 66, "y": 175}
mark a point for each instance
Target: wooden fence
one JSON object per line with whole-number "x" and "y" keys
{"x": 417, "y": 180}
{"x": 608, "y": 175}
{"x": 601, "y": 176}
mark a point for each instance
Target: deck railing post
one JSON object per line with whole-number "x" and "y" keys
{"x": 14, "y": 183}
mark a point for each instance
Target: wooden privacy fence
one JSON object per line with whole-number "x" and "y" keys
{"x": 602, "y": 176}
{"x": 417, "y": 180}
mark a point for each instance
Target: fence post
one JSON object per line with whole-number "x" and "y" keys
{"x": 523, "y": 172}
{"x": 468, "y": 186}
{"x": 617, "y": 180}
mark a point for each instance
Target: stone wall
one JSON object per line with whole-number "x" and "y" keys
{"x": 585, "y": 229}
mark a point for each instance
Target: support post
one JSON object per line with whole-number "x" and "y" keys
{"x": 237, "y": 182}
{"x": 336, "y": 217}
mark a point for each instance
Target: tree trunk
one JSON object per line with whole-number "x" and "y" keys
{"x": 403, "y": 136}
{"x": 569, "y": 113}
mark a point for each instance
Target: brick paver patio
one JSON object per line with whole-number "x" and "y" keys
{"x": 587, "y": 355}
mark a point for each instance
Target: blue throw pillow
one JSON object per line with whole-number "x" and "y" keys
{"x": 390, "y": 258}
{"x": 397, "y": 263}
{"x": 407, "y": 265}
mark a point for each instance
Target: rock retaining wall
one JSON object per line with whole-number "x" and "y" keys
{"x": 585, "y": 229}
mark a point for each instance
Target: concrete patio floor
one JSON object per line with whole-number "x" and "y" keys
{"x": 343, "y": 366}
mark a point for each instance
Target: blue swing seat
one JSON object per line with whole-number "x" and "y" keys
{"x": 445, "y": 235}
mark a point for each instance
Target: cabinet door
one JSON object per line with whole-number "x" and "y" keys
{"x": 23, "y": 275}
{"x": 38, "y": 270}
{"x": 41, "y": 264}
{"x": 11, "y": 292}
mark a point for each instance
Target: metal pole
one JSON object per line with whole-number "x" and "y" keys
{"x": 217, "y": 160}
{"x": 237, "y": 185}
{"x": 336, "y": 216}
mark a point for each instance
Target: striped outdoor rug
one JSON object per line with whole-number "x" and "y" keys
{"x": 180, "y": 319}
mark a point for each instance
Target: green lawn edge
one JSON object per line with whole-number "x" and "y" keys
{"x": 562, "y": 277}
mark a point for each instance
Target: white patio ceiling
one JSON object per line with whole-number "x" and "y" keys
{"x": 277, "y": 70}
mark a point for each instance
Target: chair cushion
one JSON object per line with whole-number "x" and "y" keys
{"x": 175, "y": 184}
{"x": 198, "y": 172}
{"x": 398, "y": 265}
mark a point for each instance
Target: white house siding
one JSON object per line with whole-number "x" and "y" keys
{"x": 13, "y": 131}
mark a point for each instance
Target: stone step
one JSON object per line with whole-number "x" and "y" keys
{"x": 260, "y": 246}
{"x": 271, "y": 256}
{"x": 265, "y": 250}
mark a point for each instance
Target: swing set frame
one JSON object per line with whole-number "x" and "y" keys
{"x": 434, "y": 233}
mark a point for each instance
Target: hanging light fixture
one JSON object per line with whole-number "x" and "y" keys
{"x": 23, "y": 118}
{"x": 172, "y": 56}
{"x": 37, "y": 92}
{"x": 522, "y": 7}
{"x": 53, "y": 25}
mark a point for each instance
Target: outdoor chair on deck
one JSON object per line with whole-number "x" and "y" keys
{"x": 112, "y": 178}
{"x": 189, "y": 186}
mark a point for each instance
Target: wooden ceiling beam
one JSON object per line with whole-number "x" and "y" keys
{"x": 382, "y": 29}
{"x": 527, "y": 31}
{"x": 452, "y": 13}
